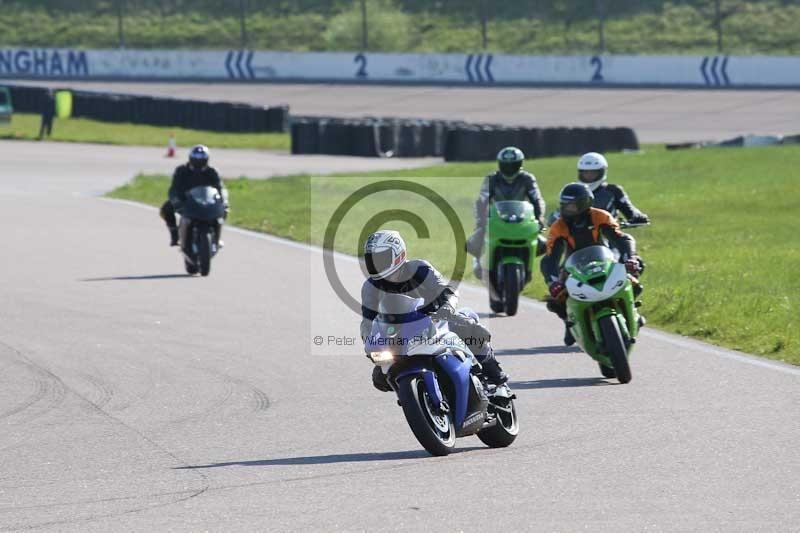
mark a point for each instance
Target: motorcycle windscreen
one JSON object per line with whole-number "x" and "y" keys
{"x": 399, "y": 323}
{"x": 513, "y": 209}
{"x": 204, "y": 195}
{"x": 589, "y": 257}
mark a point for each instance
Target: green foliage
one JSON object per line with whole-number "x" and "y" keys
{"x": 721, "y": 253}
{"x": 26, "y": 126}
{"x": 524, "y": 26}
{"x": 388, "y": 28}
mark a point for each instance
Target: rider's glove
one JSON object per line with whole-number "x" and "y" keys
{"x": 445, "y": 311}
{"x": 556, "y": 288}
{"x": 641, "y": 218}
{"x": 634, "y": 265}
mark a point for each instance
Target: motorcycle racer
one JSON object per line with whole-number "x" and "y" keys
{"x": 390, "y": 271}
{"x": 509, "y": 182}
{"x": 593, "y": 171}
{"x": 579, "y": 226}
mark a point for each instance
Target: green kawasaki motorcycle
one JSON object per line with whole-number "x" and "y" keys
{"x": 510, "y": 243}
{"x": 601, "y": 309}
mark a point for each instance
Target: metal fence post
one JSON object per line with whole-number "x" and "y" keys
{"x": 601, "y": 23}
{"x": 243, "y": 23}
{"x": 120, "y": 23}
{"x": 364, "y": 29}
{"x": 484, "y": 16}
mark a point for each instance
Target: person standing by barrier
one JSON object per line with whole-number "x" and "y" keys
{"x": 48, "y": 113}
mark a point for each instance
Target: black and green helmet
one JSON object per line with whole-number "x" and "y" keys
{"x": 509, "y": 161}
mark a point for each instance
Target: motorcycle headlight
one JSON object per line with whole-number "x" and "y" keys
{"x": 381, "y": 358}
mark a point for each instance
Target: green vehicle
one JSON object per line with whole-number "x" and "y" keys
{"x": 6, "y": 109}
{"x": 601, "y": 312}
{"x": 510, "y": 245}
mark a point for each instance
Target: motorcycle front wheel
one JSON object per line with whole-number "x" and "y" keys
{"x": 204, "y": 239}
{"x": 512, "y": 286}
{"x": 615, "y": 347}
{"x": 434, "y": 430}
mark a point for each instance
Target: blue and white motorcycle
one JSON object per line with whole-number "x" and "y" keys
{"x": 434, "y": 375}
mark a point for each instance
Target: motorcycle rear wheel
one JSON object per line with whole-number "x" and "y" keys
{"x": 616, "y": 348}
{"x": 607, "y": 371}
{"x": 190, "y": 268}
{"x": 435, "y": 432}
{"x": 497, "y": 306}
{"x": 505, "y": 431}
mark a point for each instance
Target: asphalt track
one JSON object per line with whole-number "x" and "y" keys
{"x": 135, "y": 399}
{"x": 657, "y": 115}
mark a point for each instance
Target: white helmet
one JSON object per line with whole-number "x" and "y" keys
{"x": 384, "y": 253}
{"x": 592, "y": 170}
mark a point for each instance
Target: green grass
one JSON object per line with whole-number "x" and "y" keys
{"x": 722, "y": 251}
{"x": 757, "y": 27}
{"x": 26, "y": 126}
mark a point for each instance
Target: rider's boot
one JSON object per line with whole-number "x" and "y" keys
{"x": 173, "y": 236}
{"x": 379, "y": 380}
{"x": 493, "y": 372}
{"x": 476, "y": 268}
{"x": 569, "y": 340}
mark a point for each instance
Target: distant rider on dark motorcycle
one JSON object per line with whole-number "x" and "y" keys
{"x": 509, "y": 182}
{"x": 195, "y": 173}
{"x": 580, "y": 226}
{"x": 593, "y": 171}
{"x": 390, "y": 272}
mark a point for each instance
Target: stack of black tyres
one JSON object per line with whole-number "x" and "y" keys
{"x": 157, "y": 111}
{"x": 482, "y": 142}
{"x": 455, "y": 141}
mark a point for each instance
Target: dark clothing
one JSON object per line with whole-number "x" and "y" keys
{"x": 611, "y": 198}
{"x": 48, "y": 113}
{"x": 496, "y": 188}
{"x": 594, "y": 227}
{"x": 186, "y": 178}
{"x": 168, "y": 214}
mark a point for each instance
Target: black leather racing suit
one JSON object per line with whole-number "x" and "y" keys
{"x": 419, "y": 279}
{"x": 184, "y": 179}
{"x": 612, "y": 198}
{"x": 496, "y": 188}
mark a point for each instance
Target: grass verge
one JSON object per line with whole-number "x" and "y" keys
{"x": 721, "y": 252}
{"x": 25, "y": 126}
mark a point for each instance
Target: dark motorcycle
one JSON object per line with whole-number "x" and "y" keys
{"x": 202, "y": 216}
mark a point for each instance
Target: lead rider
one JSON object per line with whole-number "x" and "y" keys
{"x": 390, "y": 272}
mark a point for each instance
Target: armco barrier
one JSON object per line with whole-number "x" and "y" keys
{"x": 155, "y": 111}
{"x": 456, "y": 141}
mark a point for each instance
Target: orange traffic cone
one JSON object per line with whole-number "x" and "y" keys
{"x": 171, "y": 145}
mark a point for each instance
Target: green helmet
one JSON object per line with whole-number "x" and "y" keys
{"x": 509, "y": 161}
